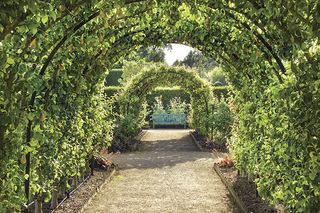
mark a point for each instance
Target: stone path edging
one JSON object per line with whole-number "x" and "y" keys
{"x": 230, "y": 189}
{"x": 197, "y": 142}
{"x": 223, "y": 179}
{"x": 109, "y": 176}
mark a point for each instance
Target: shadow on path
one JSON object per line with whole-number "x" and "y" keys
{"x": 167, "y": 174}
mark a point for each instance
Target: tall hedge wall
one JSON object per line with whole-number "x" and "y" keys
{"x": 167, "y": 94}
{"x": 221, "y": 91}
{"x": 113, "y": 77}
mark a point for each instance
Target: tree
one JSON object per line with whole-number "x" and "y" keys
{"x": 151, "y": 54}
{"x": 217, "y": 77}
{"x": 144, "y": 58}
{"x": 195, "y": 59}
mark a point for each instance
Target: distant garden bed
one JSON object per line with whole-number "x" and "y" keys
{"x": 210, "y": 145}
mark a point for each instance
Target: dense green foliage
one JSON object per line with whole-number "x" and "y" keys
{"x": 53, "y": 59}
{"x": 111, "y": 91}
{"x": 176, "y": 106}
{"x": 222, "y": 92}
{"x": 148, "y": 54}
{"x": 167, "y": 95}
{"x": 157, "y": 106}
{"x": 196, "y": 60}
{"x": 220, "y": 120}
{"x": 205, "y": 66}
{"x": 217, "y": 77}
{"x": 132, "y": 68}
{"x": 143, "y": 59}
{"x": 114, "y": 77}
{"x": 132, "y": 100}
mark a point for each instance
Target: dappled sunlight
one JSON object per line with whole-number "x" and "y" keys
{"x": 55, "y": 116}
{"x": 165, "y": 180}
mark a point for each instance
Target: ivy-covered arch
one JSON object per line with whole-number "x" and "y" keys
{"x": 132, "y": 98}
{"x": 54, "y": 56}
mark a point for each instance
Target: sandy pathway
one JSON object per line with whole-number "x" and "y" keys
{"x": 169, "y": 174}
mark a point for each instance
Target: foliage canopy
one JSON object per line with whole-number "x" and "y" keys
{"x": 54, "y": 56}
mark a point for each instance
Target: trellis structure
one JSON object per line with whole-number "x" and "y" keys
{"x": 54, "y": 56}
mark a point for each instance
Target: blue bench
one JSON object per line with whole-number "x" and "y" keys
{"x": 169, "y": 119}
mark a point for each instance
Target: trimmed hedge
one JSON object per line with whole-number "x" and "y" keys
{"x": 111, "y": 90}
{"x": 221, "y": 91}
{"x": 167, "y": 94}
{"x": 113, "y": 77}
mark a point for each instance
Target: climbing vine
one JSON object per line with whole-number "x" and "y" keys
{"x": 54, "y": 56}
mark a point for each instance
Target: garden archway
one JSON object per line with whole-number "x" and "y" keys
{"x": 54, "y": 55}
{"x": 133, "y": 96}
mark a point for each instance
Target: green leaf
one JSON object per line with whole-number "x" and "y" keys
{"x": 44, "y": 19}
{"x": 313, "y": 175}
{"x": 26, "y": 176}
{"x": 33, "y": 28}
{"x": 30, "y": 116}
{"x": 10, "y": 60}
{"x": 299, "y": 189}
{"x": 34, "y": 143}
{"x": 53, "y": 14}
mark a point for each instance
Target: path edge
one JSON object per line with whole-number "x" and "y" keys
{"x": 196, "y": 141}
{"x": 140, "y": 135}
{"x": 216, "y": 169}
{"x": 235, "y": 197}
{"x": 98, "y": 189}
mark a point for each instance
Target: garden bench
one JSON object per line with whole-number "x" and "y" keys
{"x": 169, "y": 119}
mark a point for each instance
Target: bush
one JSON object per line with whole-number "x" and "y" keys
{"x": 157, "y": 107}
{"x": 167, "y": 94}
{"x": 217, "y": 76}
{"x": 221, "y": 120}
{"x": 177, "y": 106}
{"x": 127, "y": 126}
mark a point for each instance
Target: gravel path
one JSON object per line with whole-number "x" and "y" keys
{"x": 168, "y": 174}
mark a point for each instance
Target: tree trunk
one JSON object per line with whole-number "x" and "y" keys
{"x": 54, "y": 198}
{"x": 38, "y": 205}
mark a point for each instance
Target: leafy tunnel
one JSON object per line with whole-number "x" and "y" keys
{"x": 55, "y": 55}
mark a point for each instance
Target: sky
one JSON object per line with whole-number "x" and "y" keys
{"x": 179, "y": 51}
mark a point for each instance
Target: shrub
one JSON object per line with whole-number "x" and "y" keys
{"x": 157, "y": 107}
{"x": 127, "y": 126}
{"x": 177, "y": 106}
{"x": 221, "y": 91}
{"x": 220, "y": 120}
{"x": 167, "y": 94}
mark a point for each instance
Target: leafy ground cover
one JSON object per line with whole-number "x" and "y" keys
{"x": 210, "y": 145}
